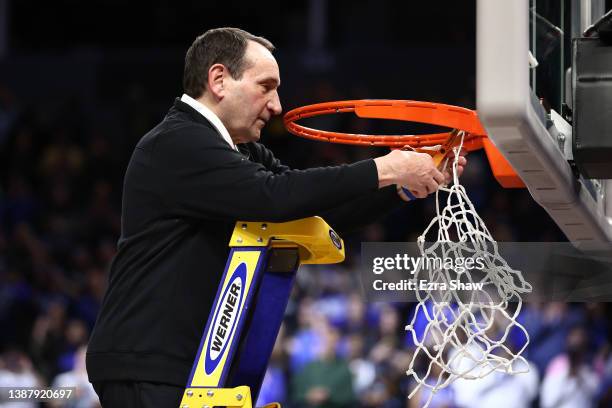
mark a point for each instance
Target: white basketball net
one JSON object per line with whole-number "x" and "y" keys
{"x": 467, "y": 331}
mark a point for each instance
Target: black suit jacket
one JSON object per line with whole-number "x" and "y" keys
{"x": 184, "y": 189}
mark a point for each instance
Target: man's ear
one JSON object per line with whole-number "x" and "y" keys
{"x": 216, "y": 76}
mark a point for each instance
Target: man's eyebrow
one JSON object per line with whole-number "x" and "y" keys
{"x": 274, "y": 81}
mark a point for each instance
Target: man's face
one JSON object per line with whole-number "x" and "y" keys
{"x": 250, "y": 102}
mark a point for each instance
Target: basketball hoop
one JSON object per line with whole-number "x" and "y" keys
{"x": 457, "y": 340}
{"x": 455, "y": 118}
{"x": 438, "y": 114}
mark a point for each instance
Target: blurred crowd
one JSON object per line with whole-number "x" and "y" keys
{"x": 335, "y": 350}
{"x": 61, "y": 167}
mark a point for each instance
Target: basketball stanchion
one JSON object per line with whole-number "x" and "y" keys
{"x": 249, "y": 307}
{"x": 465, "y": 336}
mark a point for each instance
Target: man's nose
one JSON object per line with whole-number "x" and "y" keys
{"x": 275, "y": 105}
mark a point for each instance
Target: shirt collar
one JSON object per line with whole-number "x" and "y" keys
{"x": 211, "y": 117}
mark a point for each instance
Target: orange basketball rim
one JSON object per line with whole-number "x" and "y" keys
{"x": 455, "y": 118}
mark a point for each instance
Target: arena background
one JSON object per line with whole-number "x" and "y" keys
{"x": 81, "y": 82}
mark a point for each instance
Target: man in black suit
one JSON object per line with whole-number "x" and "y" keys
{"x": 188, "y": 181}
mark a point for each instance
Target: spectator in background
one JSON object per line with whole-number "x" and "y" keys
{"x": 75, "y": 337}
{"x": 548, "y": 325}
{"x": 274, "y": 386}
{"x": 356, "y": 313}
{"x": 84, "y": 394}
{"x": 304, "y": 346}
{"x": 363, "y": 370}
{"x": 570, "y": 382}
{"x": 325, "y": 382}
{"x": 15, "y": 372}
{"x": 47, "y": 342}
{"x": 496, "y": 388}
{"x": 444, "y": 398}
{"x": 387, "y": 338}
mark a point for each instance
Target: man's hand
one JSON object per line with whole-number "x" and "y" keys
{"x": 448, "y": 171}
{"x": 415, "y": 171}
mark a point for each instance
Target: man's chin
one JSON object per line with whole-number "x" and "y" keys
{"x": 255, "y": 136}
{"x": 250, "y": 137}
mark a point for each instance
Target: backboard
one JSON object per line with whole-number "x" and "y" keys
{"x": 524, "y": 100}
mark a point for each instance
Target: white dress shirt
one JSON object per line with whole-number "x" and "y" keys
{"x": 211, "y": 117}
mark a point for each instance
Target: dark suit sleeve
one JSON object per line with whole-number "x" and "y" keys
{"x": 350, "y": 215}
{"x": 364, "y": 210}
{"x": 204, "y": 178}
